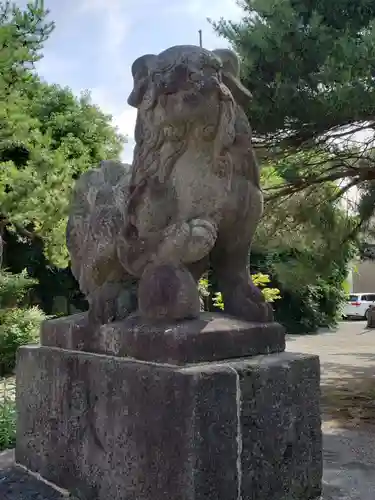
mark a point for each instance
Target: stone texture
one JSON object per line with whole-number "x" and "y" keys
{"x": 16, "y": 484}
{"x": 209, "y": 338}
{"x": 371, "y": 317}
{"x": 167, "y": 293}
{"x": 349, "y": 470}
{"x": 281, "y": 429}
{"x": 113, "y": 428}
{"x": 68, "y": 332}
{"x": 190, "y": 198}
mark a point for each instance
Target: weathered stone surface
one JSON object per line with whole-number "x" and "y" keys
{"x": 168, "y": 292}
{"x": 68, "y": 332}
{"x": 209, "y": 338}
{"x": 113, "y": 428}
{"x": 16, "y": 484}
{"x": 371, "y": 317}
{"x": 212, "y": 337}
{"x": 190, "y": 197}
{"x": 281, "y": 428}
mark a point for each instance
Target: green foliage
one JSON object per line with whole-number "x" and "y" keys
{"x": 204, "y": 293}
{"x": 307, "y": 302}
{"x": 18, "y": 325}
{"x": 301, "y": 250}
{"x": 48, "y": 137}
{"x": 22, "y": 34}
{"x": 260, "y": 280}
{"x": 310, "y": 66}
{"x": 308, "y": 63}
{"x": 13, "y": 288}
{"x": 302, "y": 243}
{"x": 46, "y": 141}
{"x": 7, "y": 414}
{"x": 217, "y": 301}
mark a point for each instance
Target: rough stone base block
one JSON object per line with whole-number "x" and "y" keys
{"x": 111, "y": 428}
{"x": 212, "y": 337}
{"x": 371, "y": 317}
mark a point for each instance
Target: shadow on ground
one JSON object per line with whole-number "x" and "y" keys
{"x": 348, "y": 397}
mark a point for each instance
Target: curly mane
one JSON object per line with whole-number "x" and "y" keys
{"x": 158, "y": 149}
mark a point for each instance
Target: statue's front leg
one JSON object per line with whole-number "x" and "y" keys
{"x": 167, "y": 290}
{"x": 242, "y": 298}
{"x": 179, "y": 243}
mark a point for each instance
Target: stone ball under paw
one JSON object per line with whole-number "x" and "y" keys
{"x": 168, "y": 292}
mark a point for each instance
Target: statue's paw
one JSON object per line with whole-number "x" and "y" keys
{"x": 204, "y": 229}
{"x": 258, "y": 312}
{"x": 203, "y": 234}
{"x": 251, "y": 310}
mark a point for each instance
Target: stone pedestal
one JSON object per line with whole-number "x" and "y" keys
{"x": 371, "y": 317}
{"x": 188, "y": 425}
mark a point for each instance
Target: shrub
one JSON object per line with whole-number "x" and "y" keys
{"x": 307, "y": 302}
{"x": 13, "y": 288}
{"x": 17, "y": 327}
{"x": 7, "y": 414}
{"x": 259, "y": 279}
{"x": 19, "y": 324}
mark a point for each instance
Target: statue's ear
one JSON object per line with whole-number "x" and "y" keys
{"x": 231, "y": 75}
{"x": 140, "y": 72}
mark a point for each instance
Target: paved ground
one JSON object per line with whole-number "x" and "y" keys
{"x": 347, "y": 357}
{"x": 347, "y": 351}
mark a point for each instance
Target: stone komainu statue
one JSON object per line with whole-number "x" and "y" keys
{"x": 141, "y": 236}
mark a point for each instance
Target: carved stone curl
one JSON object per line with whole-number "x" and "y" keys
{"x": 141, "y": 236}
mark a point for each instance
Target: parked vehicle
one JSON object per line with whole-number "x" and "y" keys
{"x": 358, "y": 305}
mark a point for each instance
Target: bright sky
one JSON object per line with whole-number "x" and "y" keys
{"x": 96, "y": 41}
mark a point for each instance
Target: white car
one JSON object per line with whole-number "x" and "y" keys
{"x": 359, "y": 305}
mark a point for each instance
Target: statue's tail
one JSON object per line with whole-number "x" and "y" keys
{"x": 96, "y": 216}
